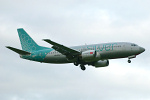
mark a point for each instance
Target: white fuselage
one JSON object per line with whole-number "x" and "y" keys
{"x": 106, "y": 50}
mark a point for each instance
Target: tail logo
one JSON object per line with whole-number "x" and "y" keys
{"x": 27, "y": 43}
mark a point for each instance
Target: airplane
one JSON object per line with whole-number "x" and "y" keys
{"x": 96, "y": 55}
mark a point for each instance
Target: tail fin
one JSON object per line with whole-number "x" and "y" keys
{"x": 27, "y": 43}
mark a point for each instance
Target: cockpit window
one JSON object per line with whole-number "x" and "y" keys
{"x": 133, "y": 45}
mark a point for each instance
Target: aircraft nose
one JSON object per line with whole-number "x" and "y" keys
{"x": 142, "y": 49}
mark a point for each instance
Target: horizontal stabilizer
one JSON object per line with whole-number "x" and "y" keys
{"x": 21, "y": 52}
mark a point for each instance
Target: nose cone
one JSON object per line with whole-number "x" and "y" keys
{"x": 142, "y": 49}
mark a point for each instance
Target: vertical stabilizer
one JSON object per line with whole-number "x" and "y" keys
{"x": 27, "y": 43}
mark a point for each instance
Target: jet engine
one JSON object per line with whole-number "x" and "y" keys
{"x": 90, "y": 55}
{"x": 101, "y": 63}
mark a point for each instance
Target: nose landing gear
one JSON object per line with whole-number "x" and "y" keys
{"x": 129, "y": 61}
{"x": 130, "y": 57}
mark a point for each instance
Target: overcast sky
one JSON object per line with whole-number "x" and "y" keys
{"x": 71, "y": 23}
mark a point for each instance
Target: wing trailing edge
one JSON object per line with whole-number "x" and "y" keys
{"x": 69, "y": 52}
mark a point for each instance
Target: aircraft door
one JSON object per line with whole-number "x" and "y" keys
{"x": 124, "y": 47}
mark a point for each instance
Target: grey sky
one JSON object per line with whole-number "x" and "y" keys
{"x": 74, "y": 22}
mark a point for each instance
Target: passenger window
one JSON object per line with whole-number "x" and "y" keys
{"x": 133, "y": 45}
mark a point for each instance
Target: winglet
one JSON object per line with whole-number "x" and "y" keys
{"x": 46, "y": 40}
{"x": 21, "y": 52}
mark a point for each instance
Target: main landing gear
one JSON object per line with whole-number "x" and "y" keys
{"x": 76, "y": 64}
{"x": 81, "y": 66}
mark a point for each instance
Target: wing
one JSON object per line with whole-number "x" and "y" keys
{"x": 69, "y": 52}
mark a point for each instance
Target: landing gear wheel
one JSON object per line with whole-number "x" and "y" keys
{"x": 129, "y": 61}
{"x": 82, "y": 67}
{"x": 76, "y": 64}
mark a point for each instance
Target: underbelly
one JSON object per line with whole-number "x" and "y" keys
{"x": 56, "y": 59}
{"x": 114, "y": 54}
